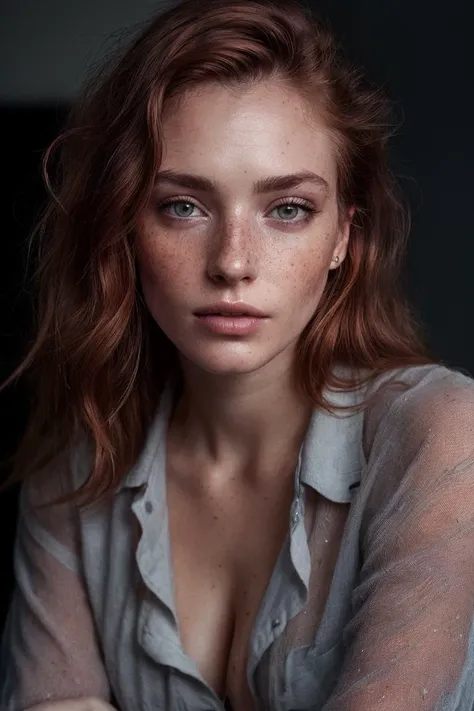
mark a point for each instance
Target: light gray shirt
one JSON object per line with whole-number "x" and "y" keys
{"x": 370, "y": 605}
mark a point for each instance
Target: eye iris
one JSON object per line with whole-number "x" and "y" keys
{"x": 179, "y": 204}
{"x": 288, "y": 207}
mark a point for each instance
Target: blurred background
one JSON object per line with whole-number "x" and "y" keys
{"x": 419, "y": 51}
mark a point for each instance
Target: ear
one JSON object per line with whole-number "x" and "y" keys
{"x": 340, "y": 248}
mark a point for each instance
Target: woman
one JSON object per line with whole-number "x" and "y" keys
{"x": 263, "y": 481}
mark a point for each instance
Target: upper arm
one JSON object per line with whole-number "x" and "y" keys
{"x": 411, "y": 633}
{"x": 50, "y": 649}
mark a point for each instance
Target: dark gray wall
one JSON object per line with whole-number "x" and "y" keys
{"x": 45, "y": 45}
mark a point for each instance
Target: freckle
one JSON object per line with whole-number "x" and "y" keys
{"x": 215, "y": 518}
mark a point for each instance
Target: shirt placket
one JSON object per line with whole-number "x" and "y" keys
{"x": 287, "y": 591}
{"x": 158, "y": 632}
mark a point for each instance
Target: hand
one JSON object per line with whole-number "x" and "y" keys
{"x": 90, "y": 704}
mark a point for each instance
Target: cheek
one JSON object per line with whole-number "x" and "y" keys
{"x": 160, "y": 285}
{"x": 306, "y": 273}
{"x": 161, "y": 266}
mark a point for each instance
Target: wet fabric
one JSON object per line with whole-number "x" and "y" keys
{"x": 370, "y": 604}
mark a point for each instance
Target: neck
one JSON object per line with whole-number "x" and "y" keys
{"x": 240, "y": 423}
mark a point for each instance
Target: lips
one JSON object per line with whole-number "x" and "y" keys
{"x": 226, "y": 313}
{"x": 231, "y": 319}
{"x": 235, "y": 310}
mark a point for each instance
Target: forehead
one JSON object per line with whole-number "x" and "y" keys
{"x": 262, "y": 128}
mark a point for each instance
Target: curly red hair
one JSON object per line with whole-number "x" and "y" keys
{"x": 98, "y": 361}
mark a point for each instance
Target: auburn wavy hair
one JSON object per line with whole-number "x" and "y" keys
{"x": 98, "y": 360}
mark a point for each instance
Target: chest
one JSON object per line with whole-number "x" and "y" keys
{"x": 224, "y": 551}
{"x": 224, "y": 544}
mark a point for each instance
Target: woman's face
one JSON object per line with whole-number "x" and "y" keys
{"x": 228, "y": 234}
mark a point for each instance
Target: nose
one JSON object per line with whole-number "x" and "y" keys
{"x": 233, "y": 257}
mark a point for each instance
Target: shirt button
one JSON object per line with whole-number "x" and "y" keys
{"x": 148, "y": 506}
{"x": 276, "y": 622}
{"x": 295, "y": 517}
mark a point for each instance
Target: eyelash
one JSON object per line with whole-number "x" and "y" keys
{"x": 298, "y": 202}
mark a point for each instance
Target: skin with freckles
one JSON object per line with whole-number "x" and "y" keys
{"x": 232, "y": 244}
{"x": 235, "y": 434}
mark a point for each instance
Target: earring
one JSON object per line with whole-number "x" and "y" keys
{"x": 336, "y": 259}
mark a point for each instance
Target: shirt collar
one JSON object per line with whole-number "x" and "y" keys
{"x": 330, "y": 456}
{"x": 140, "y": 472}
{"x": 332, "y": 448}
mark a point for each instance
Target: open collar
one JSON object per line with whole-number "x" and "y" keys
{"x": 330, "y": 455}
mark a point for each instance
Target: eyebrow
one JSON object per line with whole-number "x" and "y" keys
{"x": 263, "y": 185}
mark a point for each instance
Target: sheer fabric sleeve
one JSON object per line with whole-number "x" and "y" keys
{"x": 49, "y": 646}
{"x": 409, "y": 643}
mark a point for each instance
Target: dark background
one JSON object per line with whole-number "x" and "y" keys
{"x": 420, "y": 52}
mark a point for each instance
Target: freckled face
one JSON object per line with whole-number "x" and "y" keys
{"x": 271, "y": 249}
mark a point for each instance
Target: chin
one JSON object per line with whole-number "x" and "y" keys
{"x": 234, "y": 359}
